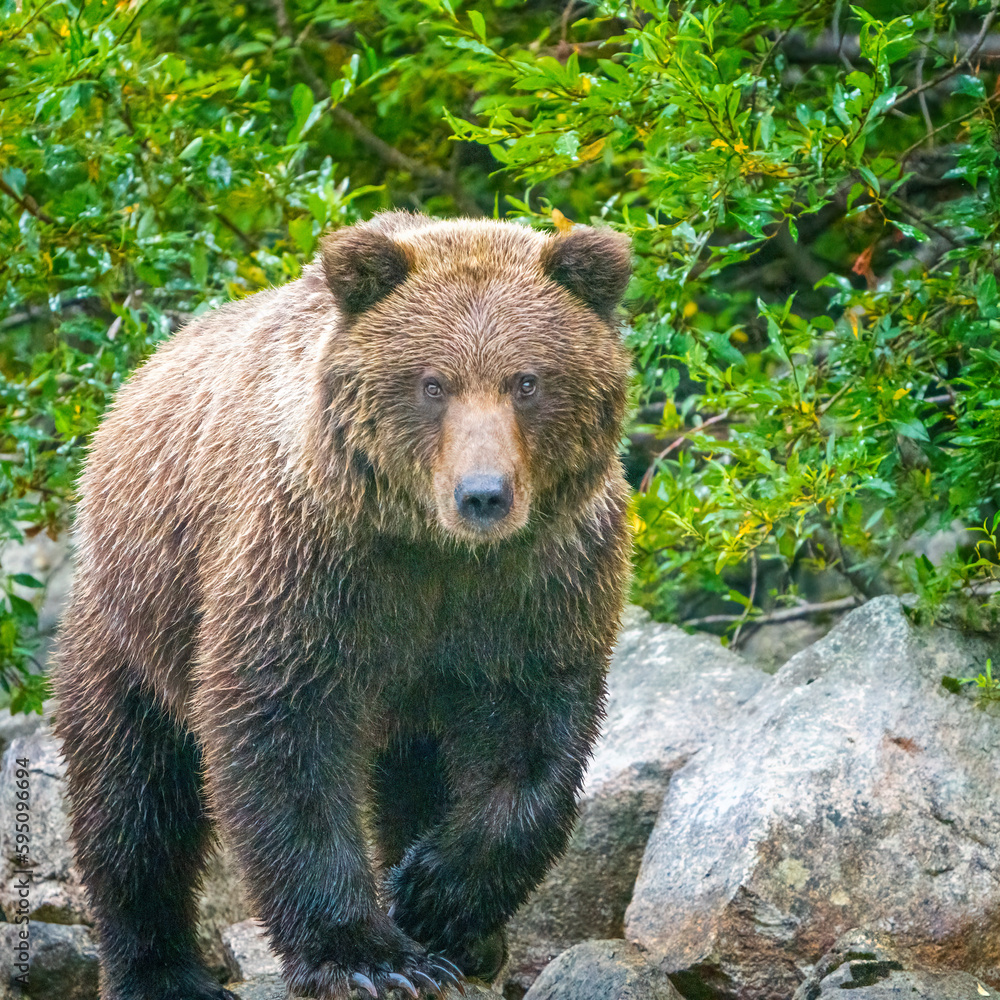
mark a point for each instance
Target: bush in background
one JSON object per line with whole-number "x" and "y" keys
{"x": 812, "y": 190}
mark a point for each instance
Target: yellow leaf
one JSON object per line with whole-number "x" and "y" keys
{"x": 739, "y": 336}
{"x": 853, "y": 320}
{"x": 93, "y": 169}
{"x": 690, "y": 308}
{"x": 64, "y": 30}
{"x": 594, "y": 149}
{"x": 899, "y": 394}
{"x": 720, "y": 142}
{"x": 979, "y": 989}
{"x": 585, "y": 84}
{"x": 741, "y": 147}
{"x": 562, "y": 224}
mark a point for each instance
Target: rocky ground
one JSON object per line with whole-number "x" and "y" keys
{"x": 743, "y": 835}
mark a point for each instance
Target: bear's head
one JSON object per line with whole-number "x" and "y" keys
{"x": 478, "y": 369}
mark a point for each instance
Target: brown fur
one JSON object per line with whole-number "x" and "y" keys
{"x": 275, "y": 590}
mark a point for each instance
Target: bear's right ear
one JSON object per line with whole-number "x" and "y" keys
{"x": 362, "y": 266}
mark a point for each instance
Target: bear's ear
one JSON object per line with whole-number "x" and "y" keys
{"x": 362, "y": 266}
{"x": 593, "y": 264}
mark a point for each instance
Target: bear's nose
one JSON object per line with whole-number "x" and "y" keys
{"x": 483, "y": 499}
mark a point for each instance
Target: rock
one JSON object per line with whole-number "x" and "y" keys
{"x": 221, "y": 904}
{"x": 771, "y": 645}
{"x": 668, "y": 694}
{"x": 13, "y": 727}
{"x": 868, "y": 962}
{"x": 854, "y": 790}
{"x": 247, "y": 951}
{"x": 63, "y": 961}
{"x": 272, "y": 988}
{"x": 56, "y": 895}
{"x": 602, "y": 970}
{"x": 260, "y": 988}
{"x": 51, "y": 562}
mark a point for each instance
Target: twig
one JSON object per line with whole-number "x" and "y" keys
{"x": 117, "y": 325}
{"x": 924, "y": 110}
{"x": 782, "y": 615}
{"x": 750, "y": 599}
{"x": 923, "y": 221}
{"x": 566, "y": 15}
{"x": 27, "y": 203}
{"x": 959, "y": 63}
{"x": 676, "y": 443}
{"x": 838, "y": 39}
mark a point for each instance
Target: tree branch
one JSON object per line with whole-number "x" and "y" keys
{"x": 27, "y": 203}
{"x": 781, "y": 615}
{"x": 647, "y": 479}
{"x": 959, "y": 63}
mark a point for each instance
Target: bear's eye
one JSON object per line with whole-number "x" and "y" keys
{"x": 433, "y": 389}
{"x": 527, "y": 385}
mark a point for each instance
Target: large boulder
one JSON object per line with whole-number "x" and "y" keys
{"x": 869, "y": 963}
{"x": 56, "y": 893}
{"x": 669, "y": 693}
{"x": 62, "y": 962}
{"x": 602, "y": 970}
{"x": 272, "y": 987}
{"x": 248, "y": 952}
{"x": 854, "y": 790}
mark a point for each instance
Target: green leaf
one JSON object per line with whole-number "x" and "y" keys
{"x": 190, "y": 151}
{"x": 478, "y": 24}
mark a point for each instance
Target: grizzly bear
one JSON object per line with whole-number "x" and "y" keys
{"x": 351, "y": 559}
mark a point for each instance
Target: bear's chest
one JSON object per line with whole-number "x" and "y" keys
{"x": 423, "y": 612}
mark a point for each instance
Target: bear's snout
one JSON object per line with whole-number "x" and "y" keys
{"x": 483, "y": 499}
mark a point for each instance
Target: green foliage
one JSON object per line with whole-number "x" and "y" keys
{"x": 988, "y": 685}
{"x": 815, "y": 314}
{"x": 815, "y": 309}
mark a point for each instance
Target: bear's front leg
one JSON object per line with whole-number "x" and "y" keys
{"x": 284, "y": 767}
{"x": 515, "y": 760}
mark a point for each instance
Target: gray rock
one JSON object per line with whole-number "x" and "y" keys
{"x": 772, "y": 645}
{"x": 260, "y": 988}
{"x": 62, "y": 962}
{"x": 272, "y": 988}
{"x": 49, "y": 561}
{"x": 56, "y": 895}
{"x": 247, "y": 951}
{"x": 669, "y": 693}
{"x": 855, "y": 790}
{"x": 602, "y": 970}
{"x": 866, "y": 961}
{"x": 13, "y": 727}
{"x": 221, "y": 904}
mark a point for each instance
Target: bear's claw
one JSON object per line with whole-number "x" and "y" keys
{"x": 363, "y": 982}
{"x": 449, "y": 971}
{"x": 431, "y": 984}
{"x": 403, "y": 983}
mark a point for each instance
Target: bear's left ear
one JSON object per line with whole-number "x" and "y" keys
{"x": 593, "y": 264}
{"x": 362, "y": 266}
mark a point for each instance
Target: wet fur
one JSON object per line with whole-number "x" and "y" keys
{"x": 272, "y": 624}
